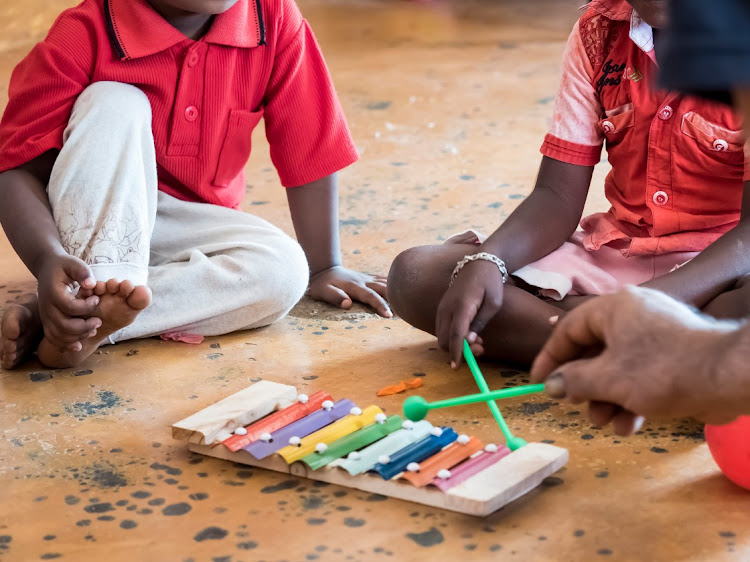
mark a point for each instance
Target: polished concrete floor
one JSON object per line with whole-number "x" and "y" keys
{"x": 448, "y": 102}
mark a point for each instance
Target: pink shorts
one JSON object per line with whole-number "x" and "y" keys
{"x": 573, "y": 270}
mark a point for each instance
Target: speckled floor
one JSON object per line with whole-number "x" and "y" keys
{"x": 448, "y": 102}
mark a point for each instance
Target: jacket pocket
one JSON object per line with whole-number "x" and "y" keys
{"x": 235, "y": 150}
{"x": 724, "y": 145}
{"x": 617, "y": 122}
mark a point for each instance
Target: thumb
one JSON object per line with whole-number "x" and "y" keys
{"x": 583, "y": 380}
{"x": 78, "y": 271}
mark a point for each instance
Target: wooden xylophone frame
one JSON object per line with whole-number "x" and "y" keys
{"x": 511, "y": 477}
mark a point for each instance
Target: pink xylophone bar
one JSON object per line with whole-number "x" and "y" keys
{"x": 269, "y": 425}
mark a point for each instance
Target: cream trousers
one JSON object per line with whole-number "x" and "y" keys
{"x": 212, "y": 270}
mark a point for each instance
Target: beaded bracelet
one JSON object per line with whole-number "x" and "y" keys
{"x": 480, "y": 256}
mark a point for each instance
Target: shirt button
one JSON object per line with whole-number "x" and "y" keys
{"x": 666, "y": 113}
{"x": 191, "y": 113}
{"x": 192, "y": 59}
{"x": 720, "y": 144}
{"x": 608, "y": 126}
{"x": 661, "y": 198}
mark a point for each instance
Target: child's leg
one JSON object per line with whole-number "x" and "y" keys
{"x": 102, "y": 192}
{"x": 216, "y": 270}
{"x": 734, "y": 304}
{"x": 418, "y": 279}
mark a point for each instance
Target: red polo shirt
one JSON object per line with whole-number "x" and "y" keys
{"x": 677, "y": 161}
{"x": 258, "y": 60}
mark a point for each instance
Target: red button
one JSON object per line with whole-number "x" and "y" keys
{"x": 191, "y": 113}
{"x": 660, "y": 198}
{"x": 720, "y": 145}
{"x": 192, "y": 59}
{"x": 666, "y": 113}
{"x": 608, "y": 127}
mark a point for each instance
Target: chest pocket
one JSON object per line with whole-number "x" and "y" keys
{"x": 617, "y": 122}
{"x": 723, "y": 145}
{"x": 237, "y": 145}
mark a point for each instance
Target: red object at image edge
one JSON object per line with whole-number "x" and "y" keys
{"x": 730, "y": 446}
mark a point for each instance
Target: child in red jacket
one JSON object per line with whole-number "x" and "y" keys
{"x": 677, "y": 221}
{"x": 122, "y": 153}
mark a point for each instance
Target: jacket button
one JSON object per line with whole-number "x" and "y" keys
{"x": 660, "y": 198}
{"x": 666, "y": 113}
{"x": 608, "y": 127}
{"x": 720, "y": 145}
{"x": 191, "y": 113}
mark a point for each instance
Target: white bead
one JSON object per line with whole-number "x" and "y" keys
{"x": 436, "y": 431}
{"x": 321, "y": 448}
{"x": 240, "y": 431}
{"x": 380, "y": 418}
{"x": 354, "y": 456}
{"x": 413, "y": 467}
{"x": 491, "y": 448}
{"x": 356, "y": 411}
{"x": 303, "y": 398}
{"x": 444, "y": 474}
{"x": 408, "y": 424}
{"x": 295, "y": 441}
{"x": 463, "y": 439}
{"x": 384, "y": 459}
{"x": 327, "y": 405}
{"x": 265, "y": 437}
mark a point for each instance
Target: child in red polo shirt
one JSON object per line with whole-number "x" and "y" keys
{"x": 677, "y": 222}
{"x": 122, "y": 154}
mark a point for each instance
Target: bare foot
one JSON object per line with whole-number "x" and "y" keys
{"x": 119, "y": 305}
{"x": 21, "y": 331}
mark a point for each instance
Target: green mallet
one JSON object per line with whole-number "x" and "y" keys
{"x": 416, "y": 407}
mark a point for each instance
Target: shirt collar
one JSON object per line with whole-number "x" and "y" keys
{"x": 137, "y": 30}
{"x": 641, "y": 33}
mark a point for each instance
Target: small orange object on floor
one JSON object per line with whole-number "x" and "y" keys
{"x": 400, "y": 387}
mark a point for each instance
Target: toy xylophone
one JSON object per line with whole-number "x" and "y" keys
{"x": 271, "y": 426}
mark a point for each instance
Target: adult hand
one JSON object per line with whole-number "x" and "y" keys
{"x": 468, "y": 306}
{"x": 66, "y": 318}
{"x": 639, "y": 353}
{"x": 340, "y": 286}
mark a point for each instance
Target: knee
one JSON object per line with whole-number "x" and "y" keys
{"x": 283, "y": 277}
{"x": 405, "y": 279}
{"x": 293, "y": 273}
{"x": 113, "y": 103}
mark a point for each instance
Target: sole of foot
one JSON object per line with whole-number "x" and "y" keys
{"x": 120, "y": 303}
{"x": 21, "y": 331}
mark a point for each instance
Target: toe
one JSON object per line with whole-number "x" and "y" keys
{"x": 139, "y": 298}
{"x": 100, "y": 289}
{"x": 126, "y": 288}
{"x": 113, "y": 285}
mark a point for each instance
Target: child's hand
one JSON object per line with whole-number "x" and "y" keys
{"x": 639, "y": 353}
{"x": 339, "y": 286}
{"x": 66, "y": 318}
{"x": 468, "y": 306}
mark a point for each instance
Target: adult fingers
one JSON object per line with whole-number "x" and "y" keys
{"x": 627, "y": 423}
{"x": 574, "y": 336}
{"x": 601, "y": 413}
{"x": 585, "y": 380}
{"x": 371, "y": 298}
